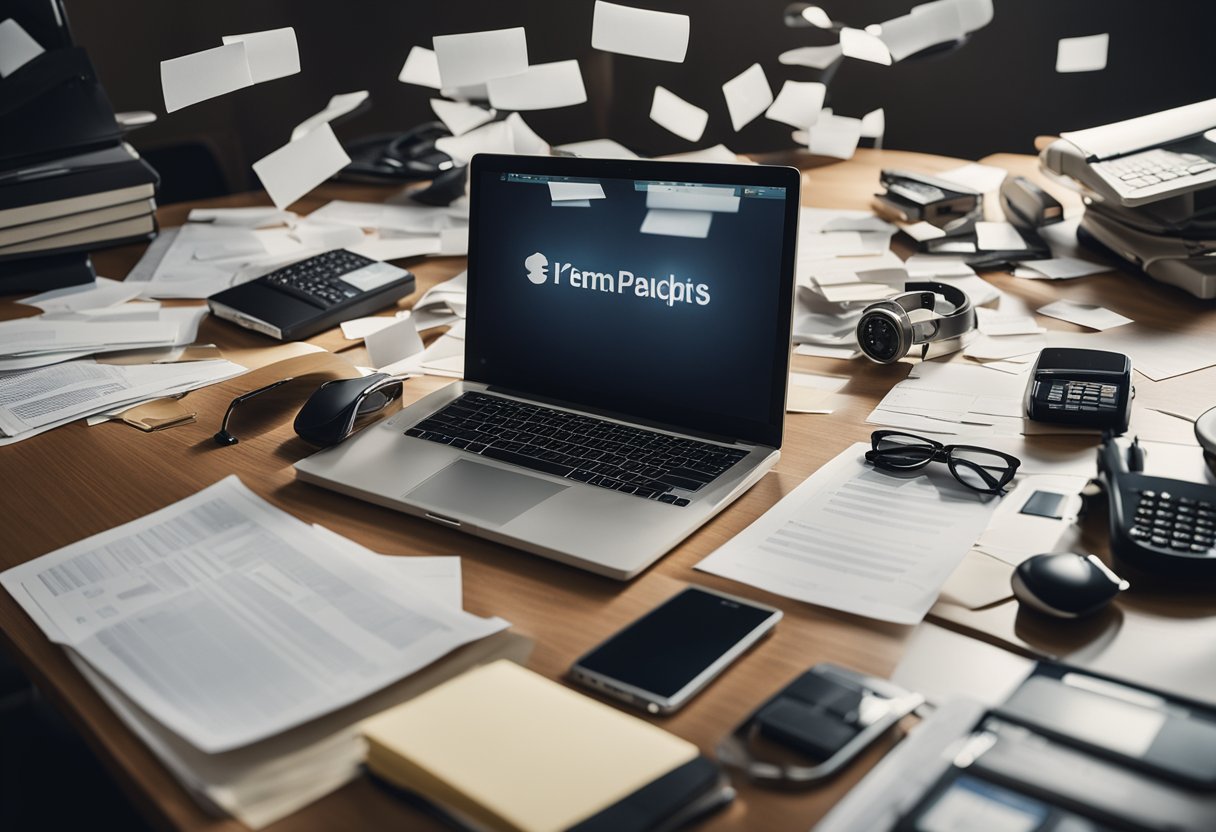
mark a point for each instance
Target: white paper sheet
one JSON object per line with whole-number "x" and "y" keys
{"x": 1084, "y": 54}
{"x": 17, "y": 48}
{"x": 393, "y": 343}
{"x": 37, "y": 335}
{"x": 812, "y": 393}
{"x": 798, "y": 104}
{"x": 599, "y": 149}
{"x": 421, "y": 68}
{"x": 476, "y": 57}
{"x": 641, "y": 33}
{"x": 990, "y": 348}
{"x": 437, "y": 576}
{"x": 301, "y": 165}
{"x": 540, "y": 87}
{"x": 326, "y": 236}
{"x": 874, "y": 124}
{"x": 560, "y": 191}
{"x": 97, "y": 295}
{"x": 677, "y": 223}
{"x": 835, "y": 136}
{"x": 931, "y": 24}
{"x": 272, "y": 54}
{"x": 339, "y": 105}
{"x": 494, "y": 137}
{"x": 359, "y": 328}
{"x": 199, "y": 76}
{"x": 255, "y": 217}
{"x": 692, "y": 198}
{"x": 998, "y": 236}
{"x": 459, "y": 116}
{"x": 815, "y": 57}
{"x": 674, "y": 113}
{"x": 225, "y": 582}
{"x": 1064, "y": 268}
{"x": 747, "y": 95}
{"x": 1084, "y": 314}
{"x": 863, "y": 46}
{"x": 820, "y": 543}
{"x": 977, "y": 177}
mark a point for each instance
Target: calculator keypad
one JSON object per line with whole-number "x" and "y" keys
{"x": 1082, "y": 396}
{"x": 1168, "y": 521}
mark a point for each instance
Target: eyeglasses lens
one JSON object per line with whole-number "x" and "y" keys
{"x": 903, "y": 451}
{"x": 979, "y": 469}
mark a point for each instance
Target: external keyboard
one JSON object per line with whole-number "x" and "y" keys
{"x": 631, "y": 460}
{"x": 1155, "y": 166}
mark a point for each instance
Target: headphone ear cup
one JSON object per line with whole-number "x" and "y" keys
{"x": 884, "y": 332}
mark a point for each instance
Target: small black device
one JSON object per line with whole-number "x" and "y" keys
{"x": 1026, "y": 205}
{"x": 1087, "y": 388}
{"x": 312, "y": 295}
{"x": 330, "y": 413}
{"x": 886, "y": 333}
{"x": 828, "y": 715}
{"x": 1158, "y": 524}
{"x": 917, "y": 197}
{"x": 1066, "y": 584}
{"x": 667, "y": 656}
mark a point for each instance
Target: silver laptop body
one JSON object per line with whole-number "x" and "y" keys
{"x": 559, "y": 344}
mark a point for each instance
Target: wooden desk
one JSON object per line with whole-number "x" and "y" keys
{"x": 76, "y": 481}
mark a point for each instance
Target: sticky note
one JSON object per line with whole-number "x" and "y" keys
{"x": 272, "y": 54}
{"x": 197, "y": 77}
{"x": 674, "y": 113}
{"x": 642, "y": 33}
{"x": 747, "y": 96}
{"x": 301, "y": 165}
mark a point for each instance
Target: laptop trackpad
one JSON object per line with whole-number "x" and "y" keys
{"x": 485, "y": 492}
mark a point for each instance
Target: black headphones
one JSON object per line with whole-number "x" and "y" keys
{"x": 885, "y": 333}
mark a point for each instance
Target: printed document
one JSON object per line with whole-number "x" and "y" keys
{"x": 861, "y": 540}
{"x": 229, "y": 621}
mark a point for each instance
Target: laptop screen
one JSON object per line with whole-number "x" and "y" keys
{"x": 660, "y": 292}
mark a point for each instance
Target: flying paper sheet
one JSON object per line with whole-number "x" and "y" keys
{"x": 816, "y": 57}
{"x": 421, "y": 68}
{"x": 339, "y": 105}
{"x": 476, "y": 57}
{"x": 677, "y": 223}
{"x": 863, "y": 46}
{"x": 835, "y": 136}
{"x": 639, "y": 32}
{"x": 874, "y": 124}
{"x": 459, "y": 116}
{"x": 798, "y": 104}
{"x": 677, "y": 115}
{"x": 271, "y": 54}
{"x": 540, "y": 87}
{"x": 932, "y": 24}
{"x": 301, "y": 165}
{"x": 817, "y": 17}
{"x": 17, "y": 48}
{"x": 1087, "y": 54}
{"x": 747, "y": 96}
{"x": 193, "y": 78}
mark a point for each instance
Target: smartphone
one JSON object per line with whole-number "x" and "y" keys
{"x": 667, "y": 656}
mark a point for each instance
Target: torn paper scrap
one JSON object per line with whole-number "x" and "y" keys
{"x": 199, "y": 76}
{"x": 641, "y": 33}
{"x": 747, "y": 96}
{"x": 540, "y": 87}
{"x": 677, "y": 223}
{"x": 674, "y": 113}
{"x": 271, "y": 54}
{"x": 1086, "y": 54}
{"x": 301, "y": 165}
{"x": 798, "y": 104}
{"x": 338, "y": 106}
{"x": 476, "y": 57}
{"x": 421, "y": 68}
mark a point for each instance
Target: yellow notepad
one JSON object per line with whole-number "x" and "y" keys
{"x": 514, "y": 750}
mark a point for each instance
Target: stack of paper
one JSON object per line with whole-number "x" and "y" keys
{"x": 324, "y": 622}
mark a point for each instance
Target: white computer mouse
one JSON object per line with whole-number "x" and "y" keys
{"x": 1065, "y": 584}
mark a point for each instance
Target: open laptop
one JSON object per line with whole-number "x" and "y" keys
{"x": 626, "y": 359}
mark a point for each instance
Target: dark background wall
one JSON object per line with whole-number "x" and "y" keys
{"x": 993, "y": 94}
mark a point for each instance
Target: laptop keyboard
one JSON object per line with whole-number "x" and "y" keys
{"x": 581, "y": 448}
{"x": 1155, "y": 166}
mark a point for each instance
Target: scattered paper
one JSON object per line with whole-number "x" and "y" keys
{"x": 17, "y": 48}
{"x": 922, "y": 231}
{"x": 1085, "y": 54}
{"x": 817, "y": 17}
{"x": 561, "y": 191}
{"x": 798, "y": 104}
{"x": 674, "y": 113}
{"x": 819, "y": 544}
{"x": 863, "y": 46}
{"x": 395, "y": 342}
{"x": 747, "y": 95}
{"x": 1084, "y": 314}
{"x": 476, "y": 57}
{"x": 360, "y": 328}
{"x": 97, "y": 295}
{"x": 815, "y": 57}
{"x": 326, "y": 236}
{"x": 811, "y": 393}
{"x": 1063, "y": 268}
{"x": 677, "y": 223}
{"x": 272, "y": 54}
{"x": 253, "y": 217}
{"x": 980, "y": 178}
{"x": 541, "y": 87}
{"x": 202, "y": 75}
{"x": 874, "y": 124}
{"x": 993, "y": 348}
{"x": 994, "y": 323}
{"x": 598, "y": 149}
{"x": 421, "y": 68}
{"x": 338, "y": 106}
{"x": 301, "y": 165}
{"x": 822, "y": 351}
{"x": 928, "y": 25}
{"x": 459, "y": 116}
{"x": 998, "y": 236}
{"x": 835, "y": 136}
{"x": 641, "y": 33}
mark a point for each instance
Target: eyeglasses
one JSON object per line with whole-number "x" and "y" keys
{"x": 980, "y": 469}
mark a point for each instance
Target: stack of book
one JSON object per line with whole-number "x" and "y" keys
{"x": 76, "y": 203}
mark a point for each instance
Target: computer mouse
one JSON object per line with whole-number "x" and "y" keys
{"x": 1066, "y": 584}
{"x": 329, "y": 415}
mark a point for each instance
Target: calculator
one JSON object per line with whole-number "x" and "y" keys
{"x": 306, "y": 297}
{"x": 1086, "y": 388}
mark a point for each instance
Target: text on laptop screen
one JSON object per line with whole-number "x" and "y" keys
{"x": 653, "y": 299}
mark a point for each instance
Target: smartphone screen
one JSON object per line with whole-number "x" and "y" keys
{"x": 666, "y": 649}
